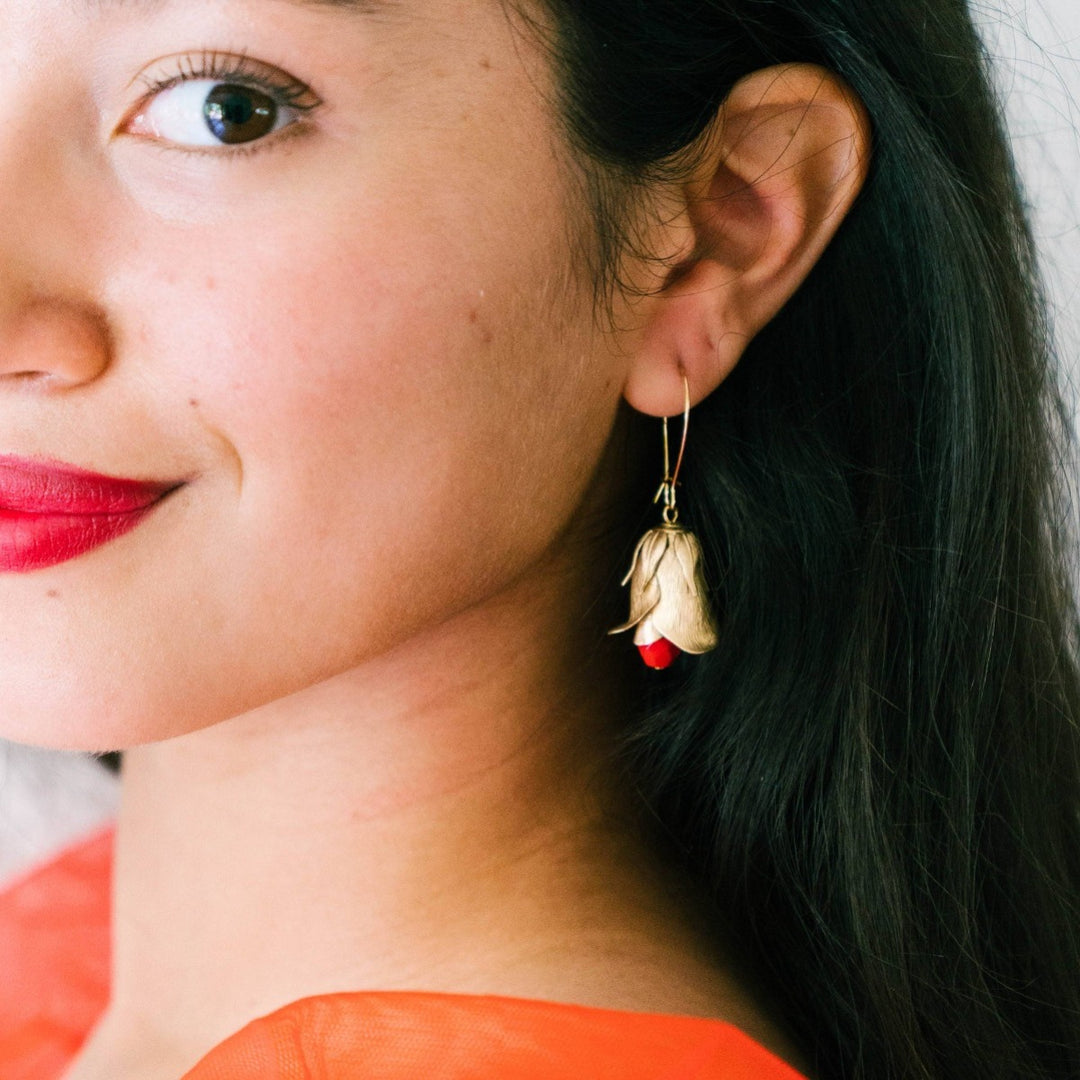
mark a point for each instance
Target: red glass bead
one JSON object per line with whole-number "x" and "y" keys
{"x": 660, "y": 654}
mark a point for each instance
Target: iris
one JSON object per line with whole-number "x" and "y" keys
{"x": 239, "y": 114}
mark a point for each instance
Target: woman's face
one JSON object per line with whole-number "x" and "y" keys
{"x": 308, "y": 266}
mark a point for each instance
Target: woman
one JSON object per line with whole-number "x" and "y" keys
{"x": 335, "y": 339}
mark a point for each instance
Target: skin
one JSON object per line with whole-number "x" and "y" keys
{"x": 357, "y": 641}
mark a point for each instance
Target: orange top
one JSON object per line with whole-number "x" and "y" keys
{"x": 54, "y": 949}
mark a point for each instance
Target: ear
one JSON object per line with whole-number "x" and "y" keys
{"x": 788, "y": 156}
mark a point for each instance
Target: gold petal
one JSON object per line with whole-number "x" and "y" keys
{"x": 687, "y": 550}
{"x": 647, "y": 555}
{"x": 644, "y": 589}
{"x": 683, "y": 615}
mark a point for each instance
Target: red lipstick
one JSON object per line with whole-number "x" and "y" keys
{"x": 51, "y": 512}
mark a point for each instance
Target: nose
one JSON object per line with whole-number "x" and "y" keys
{"x": 53, "y": 344}
{"x": 54, "y": 334}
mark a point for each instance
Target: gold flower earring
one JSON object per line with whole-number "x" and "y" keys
{"x": 668, "y": 604}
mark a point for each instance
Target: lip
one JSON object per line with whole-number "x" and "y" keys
{"x": 51, "y": 512}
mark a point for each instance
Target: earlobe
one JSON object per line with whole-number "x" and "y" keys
{"x": 775, "y": 177}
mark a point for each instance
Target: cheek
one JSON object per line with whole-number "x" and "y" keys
{"x": 387, "y": 440}
{"x": 354, "y": 381}
{"x": 412, "y": 407}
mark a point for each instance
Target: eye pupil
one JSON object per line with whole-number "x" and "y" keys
{"x": 238, "y": 114}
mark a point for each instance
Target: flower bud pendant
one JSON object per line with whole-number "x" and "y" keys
{"x": 668, "y": 604}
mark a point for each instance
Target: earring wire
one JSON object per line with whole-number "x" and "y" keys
{"x": 666, "y": 490}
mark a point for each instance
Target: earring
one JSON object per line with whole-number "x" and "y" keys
{"x": 668, "y": 605}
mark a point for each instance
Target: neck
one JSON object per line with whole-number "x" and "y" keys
{"x": 439, "y": 819}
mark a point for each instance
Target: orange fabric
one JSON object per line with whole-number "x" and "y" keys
{"x": 403, "y": 1036}
{"x": 54, "y": 960}
{"x": 54, "y": 953}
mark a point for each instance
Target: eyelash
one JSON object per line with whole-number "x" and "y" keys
{"x": 211, "y": 65}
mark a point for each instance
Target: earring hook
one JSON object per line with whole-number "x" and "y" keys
{"x": 666, "y": 490}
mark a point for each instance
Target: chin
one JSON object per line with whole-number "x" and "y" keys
{"x": 72, "y": 731}
{"x": 82, "y": 715}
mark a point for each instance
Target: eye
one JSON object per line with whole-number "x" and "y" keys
{"x": 218, "y": 101}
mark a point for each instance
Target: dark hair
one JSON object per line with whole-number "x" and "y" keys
{"x": 876, "y": 774}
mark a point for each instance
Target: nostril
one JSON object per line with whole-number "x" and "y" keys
{"x": 26, "y": 376}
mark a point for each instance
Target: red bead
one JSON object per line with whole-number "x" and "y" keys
{"x": 660, "y": 654}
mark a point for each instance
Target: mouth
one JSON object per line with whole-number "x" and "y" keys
{"x": 51, "y": 513}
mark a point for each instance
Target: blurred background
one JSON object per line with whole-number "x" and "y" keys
{"x": 49, "y": 799}
{"x": 1036, "y": 47}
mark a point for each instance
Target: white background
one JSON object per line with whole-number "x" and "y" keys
{"x": 1036, "y": 46}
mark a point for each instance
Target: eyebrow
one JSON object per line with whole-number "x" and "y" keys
{"x": 348, "y": 6}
